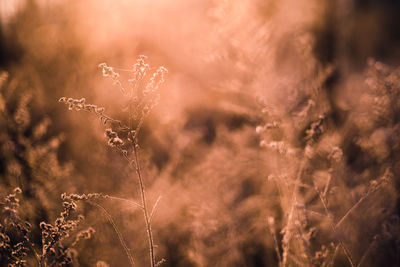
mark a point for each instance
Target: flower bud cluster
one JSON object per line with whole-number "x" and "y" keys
{"x": 54, "y": 234}
{"x": 62, "y": 226}
{"x": 324, "y": 253}
{"x": 14, "y": 250}
{"x": 82, "y": 235}
{"x": 315, "y": 130}
{"x": 278, "y": 146}
{"x": 375, "y": 184}
{"x": 156, "y": 80}
{"x": 140, "y": 69}
{"x": 11, "y": 204}
{"x": 79, "y": 104}
{"x": 113, "y": 139}
{"x": 273, "y": 125}
{"x": 108, "y": 71}
{"x": 76, "y": 197}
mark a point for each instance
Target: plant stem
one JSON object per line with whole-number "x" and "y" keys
{"x": 333, "y": 226}
{"x": 144, "y": 203}
{"x": 120, "y": 237}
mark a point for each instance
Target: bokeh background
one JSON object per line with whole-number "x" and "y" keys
{"x": 232, "y": 66}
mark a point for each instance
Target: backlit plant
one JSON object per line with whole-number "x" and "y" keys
{"x": 143, "y": 96}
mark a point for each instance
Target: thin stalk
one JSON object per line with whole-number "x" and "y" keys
{"x": 350, "y": 210}
{"x": 144, "y": 204}
{"x": 364, "y": 256}
{"x": 369, "y": 192}
{"x": 120, "y": 237}
{"x": 333, "y": 226}
{"x": 154, "y": 207}
{"x": 136, "y": 166}
{"x": 287, "y": 235}
{"x": 272, "y": 230}
{"x": 42, "y": 262}
{"x": 133, "y": 203}
{"x": 333, "y": 256}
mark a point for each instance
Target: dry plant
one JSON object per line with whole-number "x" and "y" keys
{"x": 311, "y": 180}
{"x": 30, "y": 154}
{"x": 29, "y": 149}
{"x": 142, "y": 96}
{"x": 59, "y": 240}
{"x": 311, "y": 184}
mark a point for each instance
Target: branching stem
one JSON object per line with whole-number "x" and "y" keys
{"x": 144, "y": 203}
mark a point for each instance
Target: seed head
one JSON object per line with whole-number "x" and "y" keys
{"x": 17, "y": 190}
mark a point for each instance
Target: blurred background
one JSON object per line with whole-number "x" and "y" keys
{"x": 232, "y": 66}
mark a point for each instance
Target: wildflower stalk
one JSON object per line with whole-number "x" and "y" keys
{"x": 142, "y": 97}
{"x": 144, "y": 204}
{"x": 136, "y": 166}
{"x": 381, "y": 182}
{"x": 287, "y": 235}
{"x": 333, "y": 227}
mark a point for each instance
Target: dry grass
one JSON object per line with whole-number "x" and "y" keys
{"x": 272, "y": 142}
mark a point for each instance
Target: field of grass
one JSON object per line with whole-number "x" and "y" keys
{"x": 199, "y": 133}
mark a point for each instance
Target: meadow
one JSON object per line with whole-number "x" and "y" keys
{"x": 199, "y": 133}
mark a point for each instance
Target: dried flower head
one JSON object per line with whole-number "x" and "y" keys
{"x": 113, "y": 139}
{"x": 108, "y": 71}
